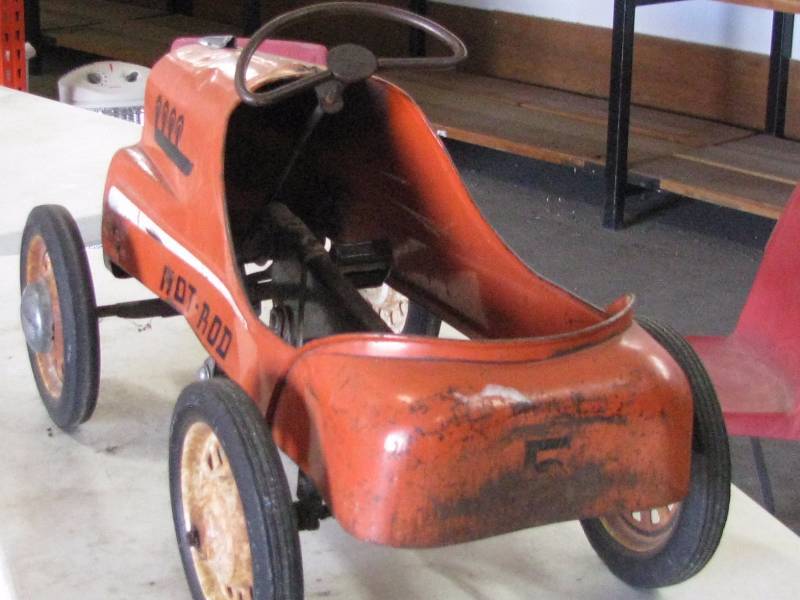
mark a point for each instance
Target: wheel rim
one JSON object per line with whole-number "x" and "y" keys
{"x": 214, "y": 517}
{"x": 644, "y": 532}
{"x": 391, "y": 306}
{"x": 50, "y": 364}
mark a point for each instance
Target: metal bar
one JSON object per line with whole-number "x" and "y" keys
{"x": 251, "y": 16}
{"x": 763, "y": 475}
{"x": 779, "y": 60}
{"x": 416, "y": 39}
{"x": 619, "y": 112}
{"x": 294, "y": 232}
{"x": 263, "y": 290}
{"x": 138, "y": 309}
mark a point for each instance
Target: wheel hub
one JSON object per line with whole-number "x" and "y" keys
{"x": 217, "y": 530}
{"x": 36, "y": 311}
{"x": 644, "y": 532}
{"x": 41, "y": 316}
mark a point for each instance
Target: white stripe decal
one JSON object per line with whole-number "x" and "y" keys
{"x": 124, "y": 207}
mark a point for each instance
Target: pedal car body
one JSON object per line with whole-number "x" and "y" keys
{"x": 412, "y": 441}
{"x": 553, "y": 409}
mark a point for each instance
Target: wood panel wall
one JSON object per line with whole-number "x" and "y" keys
{"x": 714, "y": 83}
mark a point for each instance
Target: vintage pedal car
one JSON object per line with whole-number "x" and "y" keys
{"x": 288, "y": 173}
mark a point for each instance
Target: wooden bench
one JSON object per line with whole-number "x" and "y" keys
{"x": 619, "y": 103}
{"x": 94, "y": 12}
{"x": 695, "y": 154}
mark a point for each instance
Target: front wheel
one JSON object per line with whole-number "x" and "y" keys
{"x": 233, "y": 513}
{"x": 59, "y": 315}
{"x": 666, "y": 545}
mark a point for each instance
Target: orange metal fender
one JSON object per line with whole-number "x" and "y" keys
{"x": 417, "y": 449}
{"x": 197, "y": 284}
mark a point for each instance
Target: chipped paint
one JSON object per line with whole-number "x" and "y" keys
{"x": 396, "y": 442}
{"x": 496, "y": 394}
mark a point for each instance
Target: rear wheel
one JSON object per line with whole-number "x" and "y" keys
{"x": 59, "y": 315}
{"x": 233, "y": 514}
{"x": 666, "y": 545}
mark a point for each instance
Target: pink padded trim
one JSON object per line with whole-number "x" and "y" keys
{"x": 303, "y": 51}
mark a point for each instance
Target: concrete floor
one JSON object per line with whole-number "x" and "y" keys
{"x": 689, "y": 263}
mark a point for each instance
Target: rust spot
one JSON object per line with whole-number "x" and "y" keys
{"x": 419, "y": 407}
{"x": 524, "y": 498}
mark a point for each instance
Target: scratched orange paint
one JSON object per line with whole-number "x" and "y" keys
{"x": 555, "y": 410}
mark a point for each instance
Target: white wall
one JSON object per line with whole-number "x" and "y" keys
{"x": 701, "y": 21}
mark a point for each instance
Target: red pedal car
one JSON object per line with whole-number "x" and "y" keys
{"x": 271, "y": 186}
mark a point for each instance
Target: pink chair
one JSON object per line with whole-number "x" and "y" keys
{"x": 756, "y": 369}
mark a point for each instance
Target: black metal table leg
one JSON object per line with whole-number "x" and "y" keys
{"x": 416, "y": 41}
{"x": 763, "y": 475}
{"x": 779, "y": 61}
{"x": 619, "y": 112}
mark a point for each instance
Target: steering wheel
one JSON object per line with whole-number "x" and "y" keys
{"x": 347, "y": 63}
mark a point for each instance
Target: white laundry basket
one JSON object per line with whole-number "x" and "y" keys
{"x": 111, "y": 87}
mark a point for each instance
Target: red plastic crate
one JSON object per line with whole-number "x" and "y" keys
{"x": 12, "y": 44}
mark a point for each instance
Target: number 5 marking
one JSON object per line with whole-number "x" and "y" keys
{"x": 533, "y": 448}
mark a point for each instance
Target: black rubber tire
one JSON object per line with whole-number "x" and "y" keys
{"x": 81, "y": 373}
{"x": 260, "y": 480}
{"x": 705, "y": 509}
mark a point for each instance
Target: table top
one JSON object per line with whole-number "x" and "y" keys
{"x": 88, "y": 515}
{"x": 52, "y": 153}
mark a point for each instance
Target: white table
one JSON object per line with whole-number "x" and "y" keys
{"x": 51, "y": 153}
{"x": 88, "y": 516}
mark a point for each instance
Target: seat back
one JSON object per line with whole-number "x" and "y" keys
{"x": 756, "y": 369}
{"x": 771, "y": 316}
